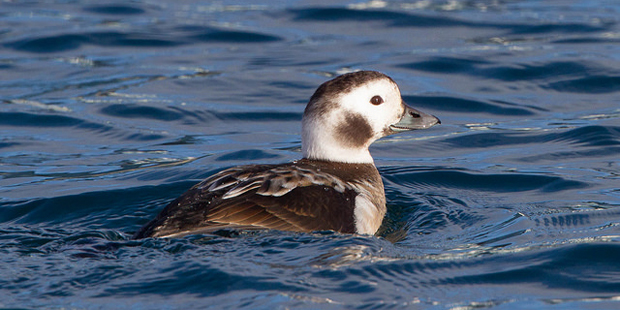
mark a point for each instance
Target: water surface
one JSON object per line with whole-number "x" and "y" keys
{"x": 110, "y": 111}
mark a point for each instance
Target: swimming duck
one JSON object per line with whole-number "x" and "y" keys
{"x": 335, "y": 186}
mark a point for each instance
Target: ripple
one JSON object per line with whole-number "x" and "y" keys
{"x": 136, "y": 111}
{"x": 518, "y": 274}
{"x": 401, "y": 19}
{"x": 445, "y": 64}
{"x": 556, "y": 156}
{"x": 344, "y": 14}
{"x": 596, "y": 84}
{"x": 392, "y": 18}
{"x": 591, "y": 136}
{"x": 252, "y": 155}
{"x": 507, "y": 73}
{"x": 587, "y": 41}
{"x": 112, "y": 209}
{"x": 499, "y": 183}
{"x": 19, "y": 119}
{"x": 6, "y": 66}
{"x": 199, "y": 279}
{"x": 584, "y": 136}
{"x": 522, "y": 72}
{"x": 454, "y": 104}
{"x": 9, "y": 144}
{"x": 547, "y": 28}
{"x": 567, "y": 267}
{"x": 231, "y": 36}
{"x": 258, "y": 116}
{"x": 115, "y": 10}
{"x": 68, "y": 42}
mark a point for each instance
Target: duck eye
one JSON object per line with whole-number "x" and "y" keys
{"x": 376, "y": 100}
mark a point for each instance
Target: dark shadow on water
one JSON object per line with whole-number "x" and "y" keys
{"x": 595, "y": 84}
{"x": 583, "y": 136}
{"x": 123, "y": 209}
{"x": 68, "y": 42}
{"x": 136, "y": 111}
{"x": 454, "y": 104}
{"x": 556, "y": 156}
{"x": 400, "y": 19}
{"x": 115, "y": 10}
{"x": 394, "y": 18}
{"x": 446, "y": 64}
{"x": 579, "y": 268}
{"x": 509, "y": 73}
{"x": 258, "y": 116}
{"x": 62, "y": 122}
{"x": 20, "y": 119}
{"x": 230, "y": 36}
{"x": 587, "y": 40}
{"x": 497, "y": 183}
{"x": 9, "y": 144}
{"x": 187, "y": 277}
{"x": 560, "y": 28}
{"x": 250, "y": 155}
{"x": 583, "y": 267}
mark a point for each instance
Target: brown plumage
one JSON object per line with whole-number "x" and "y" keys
{"x": 243, "y": 198}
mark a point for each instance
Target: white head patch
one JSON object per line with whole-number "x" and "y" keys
{"x": 347, "y": 114}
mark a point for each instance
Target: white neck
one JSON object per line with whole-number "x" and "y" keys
{"x": 322, "y": 152}
{"x": 322, "y": 145}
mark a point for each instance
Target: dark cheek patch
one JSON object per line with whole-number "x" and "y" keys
{"x": 354, "y": 131}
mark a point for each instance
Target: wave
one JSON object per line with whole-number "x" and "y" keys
{"x": 586, "y": 136}
{"x": 184, "y": 35}
{"x": 462, "y": 105}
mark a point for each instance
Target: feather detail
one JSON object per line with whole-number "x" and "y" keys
{"x": 243, "y": 187}
{"x": 301, "y": 196}
{"x": 274, "y": 182}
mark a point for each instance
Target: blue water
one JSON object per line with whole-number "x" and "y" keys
{"x": 110, "y": 111}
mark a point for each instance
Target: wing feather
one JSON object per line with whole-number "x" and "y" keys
{"x": 284, "y": 197}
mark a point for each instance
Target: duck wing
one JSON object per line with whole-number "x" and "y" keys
{"x": 284, "y": 197}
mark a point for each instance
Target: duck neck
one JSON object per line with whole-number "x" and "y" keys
{"x": 328, "y": 150}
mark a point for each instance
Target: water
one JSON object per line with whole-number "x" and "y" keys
{"x": 109, "y": 111}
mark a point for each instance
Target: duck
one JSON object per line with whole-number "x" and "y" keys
{"x": 335, "y": 186}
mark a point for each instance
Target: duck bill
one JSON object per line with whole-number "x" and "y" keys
{"x": 413, "y": 119}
